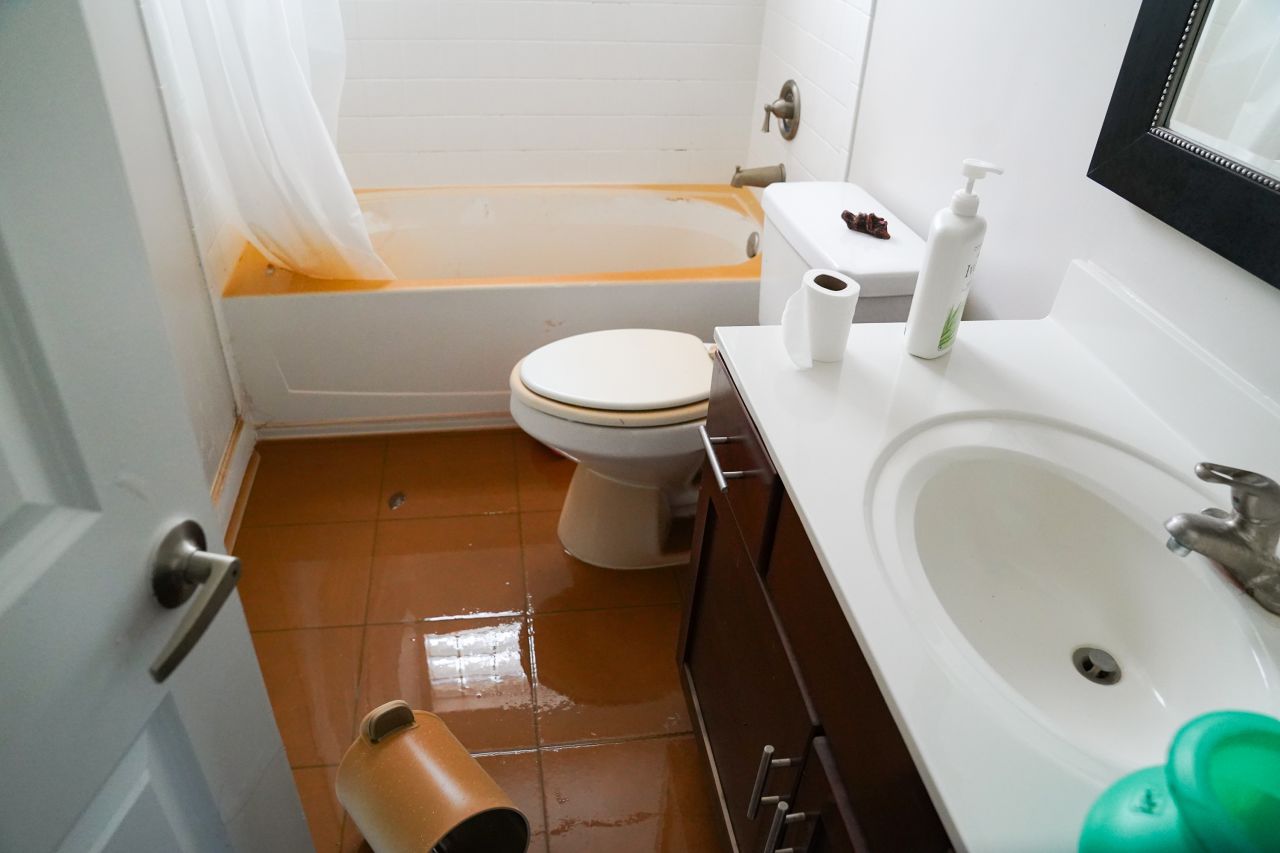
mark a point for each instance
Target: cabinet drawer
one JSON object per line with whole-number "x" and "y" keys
{"x": 744, "y": 680}
{"x": 753, "y": 496}
{"x": 888, "y": 797}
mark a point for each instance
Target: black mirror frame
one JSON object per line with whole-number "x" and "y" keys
{"x": 1220, "y": 204}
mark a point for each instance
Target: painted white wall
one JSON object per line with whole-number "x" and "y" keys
{"x": 1027, "y": 85}
{"x": 159, "y": 176}
{"x": 542, "y": 91}
{"x": 821, "y": 44}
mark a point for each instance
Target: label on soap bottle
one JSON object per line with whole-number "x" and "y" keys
{"x": 951, "y": 325}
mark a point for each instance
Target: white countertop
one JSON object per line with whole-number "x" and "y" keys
{"x": 996, "y": 785}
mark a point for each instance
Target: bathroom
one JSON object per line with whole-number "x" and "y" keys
{"x": 903, "y": 594}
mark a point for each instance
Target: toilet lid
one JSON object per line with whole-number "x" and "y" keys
{"x": 624, "y": 370}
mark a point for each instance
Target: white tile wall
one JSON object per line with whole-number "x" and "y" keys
{"x": 528, "y": 91}
{"x": 821, "y": 44}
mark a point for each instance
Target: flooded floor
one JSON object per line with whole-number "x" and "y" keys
{"x": 426, "y": 568}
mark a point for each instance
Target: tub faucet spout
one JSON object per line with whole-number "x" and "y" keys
{"x": 760, "y": 176}
{"x": 1242, "y": 541}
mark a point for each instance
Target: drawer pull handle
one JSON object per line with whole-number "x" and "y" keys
{"x": 780, "y": 819}
{"x": 708, "y": 444}
{"x": 767, "y": 761}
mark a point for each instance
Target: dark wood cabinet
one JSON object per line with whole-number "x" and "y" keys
{"x": 821, "y": 816}
{"x": 769, "y": 659}
{"x": 752, "y": 497}
{"x": 744, "y": 708}
{"x": 880, "y": 777}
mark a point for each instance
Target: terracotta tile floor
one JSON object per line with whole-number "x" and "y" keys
{"x": 559, "y": 676}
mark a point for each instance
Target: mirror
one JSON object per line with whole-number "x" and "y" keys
{"x": 1192, "y": 134}
{"x": 1229, "y": 97}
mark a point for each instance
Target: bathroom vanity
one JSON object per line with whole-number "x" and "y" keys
{"x": 897, "y": 564}
{"x": 787, "y": 707}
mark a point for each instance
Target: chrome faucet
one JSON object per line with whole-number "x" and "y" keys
{"x": 1243, "y": 541}
{"x": 760, "y": 176}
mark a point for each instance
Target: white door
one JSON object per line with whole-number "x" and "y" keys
{"x": 97, "y": 461}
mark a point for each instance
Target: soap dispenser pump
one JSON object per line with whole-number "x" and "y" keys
{"x": 946, "y": 274}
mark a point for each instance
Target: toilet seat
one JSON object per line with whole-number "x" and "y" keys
{"x": 626, "y": 406}
{"x": 604, "y": 417}
{"x": 621, "y": 370}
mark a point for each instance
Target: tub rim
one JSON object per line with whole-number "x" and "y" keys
{"x": 254, "y": 275}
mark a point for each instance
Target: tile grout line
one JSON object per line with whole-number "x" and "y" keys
{"x": 616, "y": 741}
{"x": 553, "y": 747}
{"x": 527, "y": 612}
{"x": 379, "y": 519}
{"x": 364, "y": 628}
{"x": 533, "y": 661}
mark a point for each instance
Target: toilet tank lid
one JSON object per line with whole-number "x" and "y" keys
{"x": 807, "y": 214}
{"x": 626, "y": 370}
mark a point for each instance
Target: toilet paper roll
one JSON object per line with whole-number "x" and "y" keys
{"x": 409, "y": 785}
{"x": 817, "y": 318}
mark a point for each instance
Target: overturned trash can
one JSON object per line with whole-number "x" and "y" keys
{"x": 409, "y": 785}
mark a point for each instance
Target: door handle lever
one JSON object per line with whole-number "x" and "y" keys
{"x": 181, "y": 566}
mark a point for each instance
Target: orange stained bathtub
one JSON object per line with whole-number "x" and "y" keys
{"x": 477, "y": 236}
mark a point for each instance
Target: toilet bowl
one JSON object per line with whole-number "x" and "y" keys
{"x": 626, "y": 405}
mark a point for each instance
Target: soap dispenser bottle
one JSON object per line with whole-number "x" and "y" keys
{"x": 950, "y": 257}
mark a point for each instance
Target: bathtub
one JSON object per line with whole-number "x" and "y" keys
{"x": 484, "y": 275}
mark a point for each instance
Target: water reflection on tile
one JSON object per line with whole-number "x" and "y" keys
{"x": 608, "y": 674}
{"x": 473, "y": 673}
{"x": 543, "y": 475}
{"x": 660, "y": 803}
{"x": 558, "y": 581}
{"x": 431, "y": 567}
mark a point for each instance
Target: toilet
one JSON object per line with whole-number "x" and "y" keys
{"x": 626, "y": 404}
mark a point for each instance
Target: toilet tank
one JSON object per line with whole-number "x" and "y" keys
{"x": 803, "y": 230}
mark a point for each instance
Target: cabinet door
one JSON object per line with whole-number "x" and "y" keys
{"x": 743, "y": 678}
{"x": 820, "y": 819}
{"x": 753, "y": 497}
{"x": 879, "y": 777}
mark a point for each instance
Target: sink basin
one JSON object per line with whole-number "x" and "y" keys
{"x": 1032, "y": 557}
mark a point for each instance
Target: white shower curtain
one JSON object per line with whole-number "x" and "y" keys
{"x": 257, "y": 87}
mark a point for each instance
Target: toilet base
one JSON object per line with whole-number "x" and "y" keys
{"x": 616, "y": 525}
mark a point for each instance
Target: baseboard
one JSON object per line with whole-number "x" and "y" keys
{"x": 373, "y": 426}
{"x": 242, "y": 500}
{"x": 229, "y": 481}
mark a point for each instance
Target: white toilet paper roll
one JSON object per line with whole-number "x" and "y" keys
{"x": 817, "y": 317}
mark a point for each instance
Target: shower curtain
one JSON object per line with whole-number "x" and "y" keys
{"x": 255, "y": 96}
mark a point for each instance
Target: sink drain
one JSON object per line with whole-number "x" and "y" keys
{"x": 1096, "y": 665}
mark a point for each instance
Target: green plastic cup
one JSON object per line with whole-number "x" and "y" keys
{"x": 1219, "y": 793}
